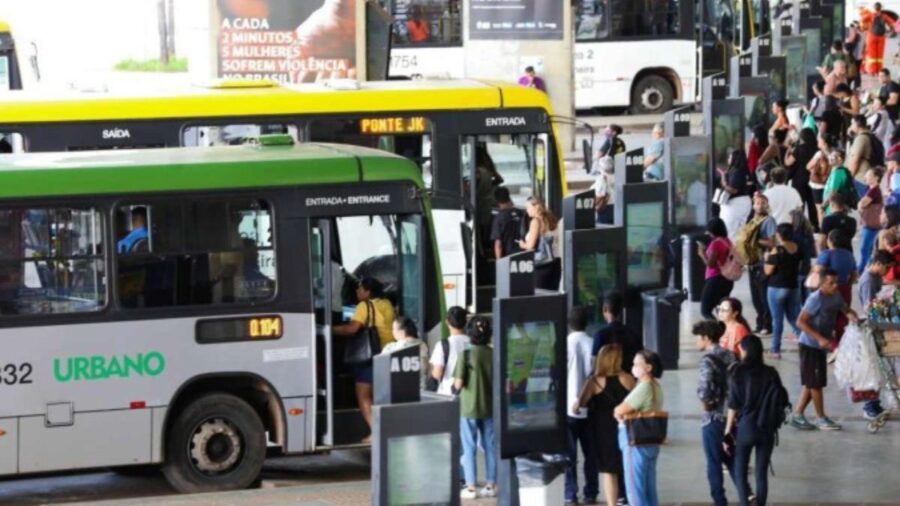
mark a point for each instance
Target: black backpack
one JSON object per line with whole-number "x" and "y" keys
{"x": 879, "y": 27}
{"x": 775, "y": 406}
{"x": 876, "y": 153}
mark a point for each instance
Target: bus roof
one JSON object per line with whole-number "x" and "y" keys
{"x": 208, "y": 102}
{"x": 4, "y": 27}
{"x": 183, "y": 169}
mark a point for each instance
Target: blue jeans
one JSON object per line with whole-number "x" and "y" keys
{"x": 607, "y": 215}
{"x": 783, "y": 302}
{"x": 580, "y": 432}
{"x": 763, "y": 451}
{"x": 639, "y": 465}
{"x": 469, "y": 428}
{"x": 865, "y": 250}
{"x": 713, "y": 434}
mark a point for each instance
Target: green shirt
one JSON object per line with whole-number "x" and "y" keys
{"x": 837, "y": 182}
{"x": 642, "y": 397}
{"x": 475, "y": 367}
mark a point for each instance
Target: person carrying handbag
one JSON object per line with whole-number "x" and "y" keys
{"x": 368, "y": 331}
{"x": 542, "y": 238}
{"x": 642, "y": 428}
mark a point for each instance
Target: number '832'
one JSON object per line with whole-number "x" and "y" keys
{"x": 15, "y": 374}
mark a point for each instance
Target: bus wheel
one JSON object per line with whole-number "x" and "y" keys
{"x": 217, "y": 443}
{"x": 652, "y": 95}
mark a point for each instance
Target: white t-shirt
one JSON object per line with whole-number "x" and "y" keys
{"x": 605, "y": 184}
{"x": 458, "y": 344}
{"x": 578, "y": 368}
{"x": 782, "y": 200}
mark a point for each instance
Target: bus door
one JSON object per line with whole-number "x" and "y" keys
{"x": 516, "y": 162}
{"x": 346, "y": 250}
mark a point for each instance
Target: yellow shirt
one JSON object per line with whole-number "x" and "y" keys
{"x": 384, "y": 318}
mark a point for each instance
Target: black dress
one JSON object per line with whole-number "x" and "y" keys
{"x": 605, "y": 426}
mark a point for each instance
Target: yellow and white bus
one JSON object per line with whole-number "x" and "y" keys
{"x": 441, "y": 125}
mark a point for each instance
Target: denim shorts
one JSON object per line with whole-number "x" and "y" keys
{"x": 362, "y": 373}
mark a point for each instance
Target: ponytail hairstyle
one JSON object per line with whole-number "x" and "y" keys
{"x": 480, "y": 330}
{"x": 547, "y": 217}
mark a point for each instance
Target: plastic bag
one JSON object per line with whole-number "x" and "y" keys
{"x": 856, "y": 365}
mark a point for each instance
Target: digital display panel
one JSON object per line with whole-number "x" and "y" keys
{"x": 530, "y": 386}
{"x": 644, "y": 243}
{"x": 813, "y": 50}
{"x": 415, "y": 476}
{"x": 756, "y": 112}
{"x": 254, "y": 328}
{"x": 726, "y": 136}
{"x": 691, "y": 202}
{"x": 795, "y": 69}
{"x": 776, "y": 90}
{"x": 393, "y": 126}
{"x": 596, "y": 275}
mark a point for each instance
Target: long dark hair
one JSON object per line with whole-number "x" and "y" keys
{"x": 738, "y": 309}
{"x": 761, "y": 136}
{"x": 752, "y": 350}
{"x": 737, "y": 160}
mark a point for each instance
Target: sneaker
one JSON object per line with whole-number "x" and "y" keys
{"x": 826, "y": 423}
{"x": 832, "y": 357}
{"x": 776, "y": 355}
{"x": 622, "y": 502}
{"x": 491, "y": 491}
{"x": 800, "y": 422}
{"x": 762, "y": 332}
{"x": 468, "y": 493}
{"x": 871, "y": 415}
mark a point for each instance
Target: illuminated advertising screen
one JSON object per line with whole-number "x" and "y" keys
{"x": 529, "y": 382}
{"x": 287, "y": 41}
{"x": 644, "y": 243}
{"x": 727, "y": 135}
{"x": 596, "y": 275}
{"x": 813, "y": 50}
{"x": 689, "y": 176}
{"x": 795, "y": 68}
{"x": 415, "y": 476}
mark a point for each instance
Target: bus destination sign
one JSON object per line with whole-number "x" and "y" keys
{"x": 393, "y": 126}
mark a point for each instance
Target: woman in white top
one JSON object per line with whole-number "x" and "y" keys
{"x": 406, "y": 335}
{"x": 541, "y": 238}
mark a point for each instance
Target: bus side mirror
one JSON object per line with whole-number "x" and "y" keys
{"x": 587, "y": 151}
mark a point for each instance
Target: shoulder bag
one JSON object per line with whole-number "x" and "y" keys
{"x": 649, "y": 428}
{"x": 366, "y": 343}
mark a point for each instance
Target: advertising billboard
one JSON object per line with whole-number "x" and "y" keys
{"x": 287, "y": 41}
{"x": 516, "y": 20}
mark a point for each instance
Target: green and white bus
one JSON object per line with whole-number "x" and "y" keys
{"x": 175, "y": 307}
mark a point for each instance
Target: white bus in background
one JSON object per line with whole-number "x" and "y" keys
{"x": 628, "y": 53}
{"x": 637, "y": 53}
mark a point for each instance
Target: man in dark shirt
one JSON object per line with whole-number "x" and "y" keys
{"x": 615, "y": 332}
{"x": 889, "y": 93}
{"x": 507, "y": 226}
{"x": 839, "y": 219}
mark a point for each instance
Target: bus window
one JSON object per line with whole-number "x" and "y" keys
{"x": 11, "y": 143}
{"x": 409, "y": 137}
{"x": 51, "y": 261}
{"x": 432, "y": 22}
{"x": 513, "y": 158}
{"x": 592, "y": 22}
{"x": 230, "y": 135}
{"x": 195, "y": 252}
{"x": 384, "y": 248}
{"x": 643, "y": 18}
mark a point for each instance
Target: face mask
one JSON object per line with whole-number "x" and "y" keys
{"x": 636, "y": 371}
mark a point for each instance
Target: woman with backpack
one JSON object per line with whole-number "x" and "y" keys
{"x": 757, "y": 407}
{"x": 714, "y": 255}
{"x": 640, "y": 461}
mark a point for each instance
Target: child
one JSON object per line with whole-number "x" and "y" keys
{"x": 473, "y": 379}
{"x": 869, "y": 285}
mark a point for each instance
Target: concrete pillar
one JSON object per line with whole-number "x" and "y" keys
{"x": 505, "y": 60}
